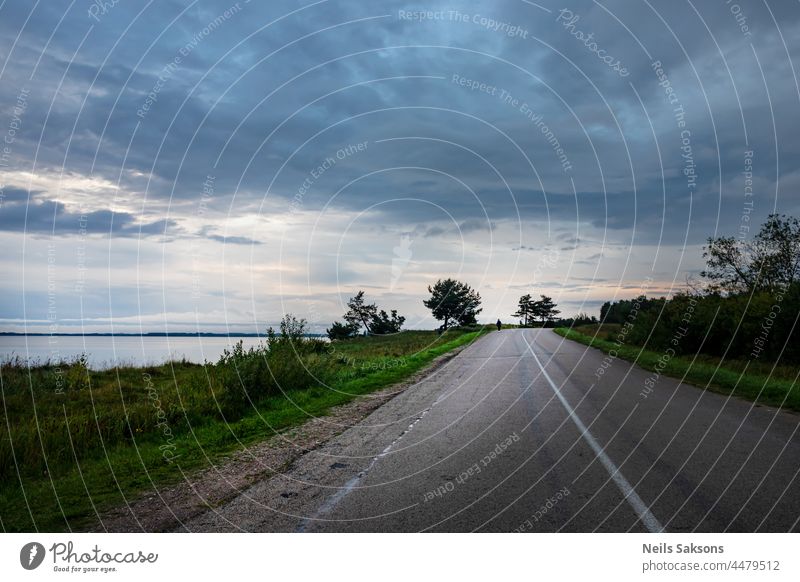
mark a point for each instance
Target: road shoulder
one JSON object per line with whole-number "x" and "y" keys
{"x": 169, "y": 507}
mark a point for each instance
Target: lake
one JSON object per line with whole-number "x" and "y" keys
{"x": 109, "y": 351}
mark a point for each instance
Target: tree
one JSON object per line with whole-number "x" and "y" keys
{"x": 605, "y": 312}
{"x": 769, "y": 261}
{"x": 292, "y": 328}
{"x": 383, "y": 324}
{"x": 776, "y": 252}
{"x": 452, "y": 300}
{"x": 727, "y": 264}
{"x": 582, "y": 319}
{"x": 525, "y": 311}
{"x": 360, "y": 313}
{"x": 545, "y": 309}
{"x": 338, "y": 331}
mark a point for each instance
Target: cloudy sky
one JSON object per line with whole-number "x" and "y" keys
{"x": 213, "y": 164}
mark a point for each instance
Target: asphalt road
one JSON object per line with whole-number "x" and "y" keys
{"x": 517, "y": 433}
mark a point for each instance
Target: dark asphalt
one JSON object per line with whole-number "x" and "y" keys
{"x": 517, "y": 433}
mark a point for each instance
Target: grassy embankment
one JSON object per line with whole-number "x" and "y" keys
{"x": 760, "y": 382}
{"x": 75, "y": 441}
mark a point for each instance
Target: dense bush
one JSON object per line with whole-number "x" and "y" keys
{"x": 340, "y": 331}
{"x": 383, "y": 323}
{"x": 286, "y": 362}
{"x": 759, "y": 325}
{"x": 578, "y": 320}
{"x": 748, "y": 309}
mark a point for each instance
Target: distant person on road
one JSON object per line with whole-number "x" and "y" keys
{"x": 499, "y": 324}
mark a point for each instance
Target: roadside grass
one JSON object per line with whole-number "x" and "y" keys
{"x": 75, "y": 442}
{"x": 759, "y": 382}
{"x": 604, "y": 330}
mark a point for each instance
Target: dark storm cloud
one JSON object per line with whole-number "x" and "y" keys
{"x": 214, "y": 103}
{"x": 11, "y": 195}
{"x": 19, "y": 213}
{"x": 464, "y": 129}
{"x": 51, "y": 218}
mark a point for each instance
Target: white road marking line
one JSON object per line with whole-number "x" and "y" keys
{"x": 629, "y": 493}
{"x": 345, "y": 490}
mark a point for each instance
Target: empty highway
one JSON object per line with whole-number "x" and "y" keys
{"x": 520, "y": 432}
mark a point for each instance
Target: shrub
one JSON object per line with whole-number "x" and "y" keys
{"x": 757, "y": 325}
{"x": 340, "y": 331}
{"x": 286, "y": 362}
{"x": 383, "y": 324}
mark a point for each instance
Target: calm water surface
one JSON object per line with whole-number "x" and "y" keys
{"x": 109, "y": 351}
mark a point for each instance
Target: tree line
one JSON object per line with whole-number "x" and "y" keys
{"x": 748, "y": 303}
{"x": 530, "y": 310}
{"x": 450, "y": 301}
{"x": 745, "y": 306}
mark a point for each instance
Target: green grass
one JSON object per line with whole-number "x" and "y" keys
{"x": 600, "y": 329}
{"x": 74, "y": 441}
{"x": 756, "y": 381}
